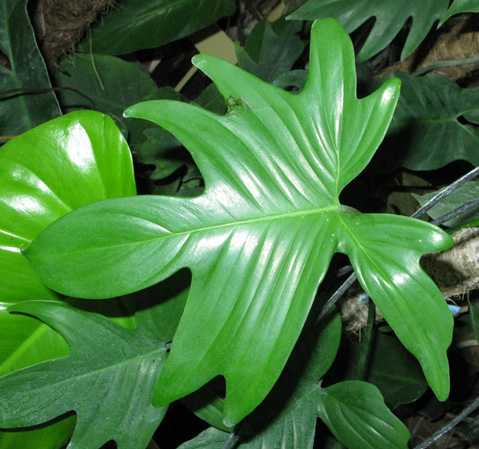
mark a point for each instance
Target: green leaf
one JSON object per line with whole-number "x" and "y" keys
{"x": 428, "y": 130}
{"x": 20, "y": 112}
{"x": 271, "y": 50}
{"x": 467, "y": 192}
{"x": 389, "y": 18}
{"x": 107, "y": 379}
{"x": 260, "y": 238}
{"x": 355, "y": 413}
{"x": 459, "y": 7}
{"x": 139, "y": 24}
{"x": 46, "y": 172}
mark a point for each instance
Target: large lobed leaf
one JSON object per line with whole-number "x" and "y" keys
{"x": 389, "y": 18}
{"x": 260, "y": 238}
{"x": 107, "y": 379}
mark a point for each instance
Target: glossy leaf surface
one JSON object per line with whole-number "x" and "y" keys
{"x": 260, "y": 238}
{"x": 107, "y": 379}
{"x": 389, "y": 18}
{"x": 47, "y": 172}
{"x": 20, "y": 112}
{"x": 62, "y": 165}
{"x": 140, "y": 24}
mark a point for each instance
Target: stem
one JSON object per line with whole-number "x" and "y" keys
{"x": 447, "y": 63}
{"x": 456, "y": 212}
{"x": 230, "y": 441}
{"x": 446, "y": 192}
{"x": 366, "y": 345}
{"x": 453, "y": 423}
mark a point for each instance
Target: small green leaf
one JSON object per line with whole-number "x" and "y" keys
{"x": 21, "y": 112}
{"x": 390, "y": 17}
{"x": 355, "y": 413}
{"x": 103, "y": 79}
{"x": 107, "y": 379}
{"x": 140, "y": 24}
{"x": 260, "y": 238}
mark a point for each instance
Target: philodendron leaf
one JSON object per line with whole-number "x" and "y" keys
{"x": 107, "y": 379}
{"x": 260, "y": 238}
{"x": 389, "y": 18}
{"x": 59, "y": 166}
{"x": 434, "y": 124}
{"x": 20, "y": 112}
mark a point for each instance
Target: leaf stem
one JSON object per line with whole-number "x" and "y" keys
{"x": 446, "y": 192}
{"x": 450, "y": 425}
{"x": 456, "y": 212}
{"x": 337, "y": 295}
{"x": 431, "y": 203}
{"x": 446, "y": 63}
{"x": 230, "y": 441}
{"x": 366, "y": 345}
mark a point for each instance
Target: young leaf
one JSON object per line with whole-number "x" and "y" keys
{"x": 355, "y": 412}
{"x": 20, "y": 112}
{"x": 260, "y": 238}
{"x": 389, "y": 15}
{"x": 140, "y": 24}
{"x": 107, "y": 379}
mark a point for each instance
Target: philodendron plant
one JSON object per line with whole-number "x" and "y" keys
{"x": 258, "y": 242}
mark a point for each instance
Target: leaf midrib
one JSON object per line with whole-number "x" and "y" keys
{"x": 100, "y": 370}
{"x": 189, "y": 232}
